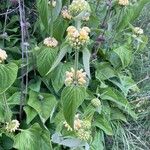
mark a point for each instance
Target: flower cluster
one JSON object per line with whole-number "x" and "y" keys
{"x": 82, "y": 128}
{"x": 123, "y": 2}
{"x": 65, "y": 13}
{"x": 96, "y": 102}
{"x": 12, "y": 126}
{"x": 3, "y": 55}
{"x": 78, "y": 6}
{"x": 77, "y": 124}
{"x": 73, "y": 77}
{"x": 50, "y": 42}
{"x": 78, "y": 38}
{"x": 83, "y": 135}
{"x": 138, "y": 30}
{"x": 53, "y": 3}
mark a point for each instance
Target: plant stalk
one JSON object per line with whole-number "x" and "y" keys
{"x": 76, "y": 62}
{"x": 78, "y": 26}
{"x": 51, "y": 24}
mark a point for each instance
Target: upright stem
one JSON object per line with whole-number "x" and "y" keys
{"x": 78, "y": 26}
{"x": 51, "y": 23}
{"x": 76, "y": 62}
{"x": 7, "y": 110}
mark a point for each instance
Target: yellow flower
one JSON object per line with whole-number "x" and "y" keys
{"x": 123, "y": 2}
{"x": 83, "y": 35}
{"x": 12, "y": 126}
{"x": 80, "y": 77}
{"x": 87, "y": 29}
{"x": 3, "y": 55}
{"x": 50, "y": 42}
{"x": 77, "y": 124}
{"x": 78, "y": 38}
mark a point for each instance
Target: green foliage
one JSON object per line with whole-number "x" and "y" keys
{"x": 72, "y": 97}
{"x": 28, "y": 138}
{"x": 8, "y": 75}
{"x": 47, "y": 88}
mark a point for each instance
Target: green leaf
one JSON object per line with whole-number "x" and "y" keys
{"x": 102, "y": 123}
{"x": 42, "y": 6}
{"x": 14, "y": 99}
{"x": 104, "y": 71}
{"x": 43, "y": 103}
{"x": 86, "y": 61}
{"x": 45, "y": 59}
{"x": 35, "y": 84}
{"x": 44, "y": 10}
{"x": 58, "y": 76}
{"x": 115, "y": 96}
{"x": 30, "y": 113}
{"x": 126, "y": 83}
{"x": 130, "y": 14}
{"x": 72, "y": 97}
{"x": 60, "y": 26}
{"x": 60, "y": 56}
{"x": 116, "y": 114}
{"x": 98, "y": 141}
{"x": 124, "y": 54}
{"x": 8, "y": 75}
{"x": 33, "y": 138}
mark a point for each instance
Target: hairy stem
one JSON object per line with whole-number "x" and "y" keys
{"x": 51, "y": 24}
{"x": 76, "y": 62}
{"x": 78, "y": 26}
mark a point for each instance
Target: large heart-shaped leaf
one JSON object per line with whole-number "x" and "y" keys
{"x": 45, "y": 59}
{"x": 8, "y": 75}
{"x": 33, "y": 138}
{"x": 124, "y": 54}
{"x": 117, "y": 97}
{"x": 72, "y": 97}
{"x": 43, "y": 103}
{"x": 104, "y": 71}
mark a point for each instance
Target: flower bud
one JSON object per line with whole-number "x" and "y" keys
{"x": 3, "y": 55}
{"x": 78, "y": 6}
{"x": 50, "y": 42}
{"x": 65, "y": 13}
{"x": 138, "y": 30}
{"x": 96, "y": 102}
{"x": 12, "y": 126}
{"x": 53, "y": 3}
{"x": 123, "y": 2}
